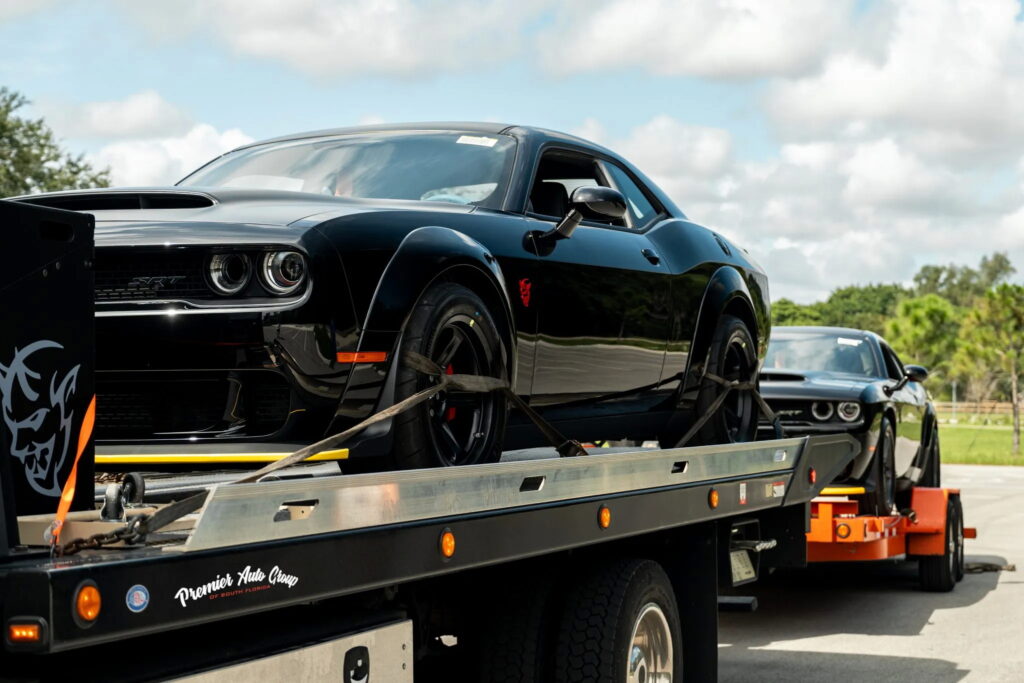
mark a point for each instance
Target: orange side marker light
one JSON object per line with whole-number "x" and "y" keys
{"x": 23, "y": 633}
{"x": 604, "y": 516}
{"x": 362, "y": 356}
{"x": 713, "y": 498}
{"x": 88, "y": 603}
{"x": 447, "y": 544}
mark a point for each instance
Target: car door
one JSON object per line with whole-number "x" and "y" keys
{"x": 602, "y": 298}
{"x": 910, "y": 403}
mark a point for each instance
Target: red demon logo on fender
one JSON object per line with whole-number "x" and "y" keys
{"x": 524, "y": 291}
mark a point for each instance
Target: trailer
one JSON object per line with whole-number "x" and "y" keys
{"x": 930, "y": 531}
{"x": 585, "y": 564}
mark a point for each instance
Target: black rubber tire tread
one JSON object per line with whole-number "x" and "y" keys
{"x": 961, "y": 562}
{"x": 598, "y": 618}
{"x": 514, "y": 637}
{"x": 937, "y": 573}
{"x": 874, "y": 502}
{"x": 713, "y": 431}
{"x": 412, "y": 447}
{"x": 933, "y": 468}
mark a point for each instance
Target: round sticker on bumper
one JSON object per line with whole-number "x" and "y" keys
{"x": 137, "y": 598}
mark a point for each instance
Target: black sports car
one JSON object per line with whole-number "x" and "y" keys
{"x": 267, "y": 298}
{"x": 833, "y": 379}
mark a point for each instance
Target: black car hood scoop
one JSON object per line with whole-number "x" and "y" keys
{"x": 123, "y": 200}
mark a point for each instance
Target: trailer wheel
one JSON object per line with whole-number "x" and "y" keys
{"x": 621, "y": 624}
{"x": 940, "y": 573}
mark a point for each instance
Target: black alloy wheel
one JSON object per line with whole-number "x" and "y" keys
{"x": 733, "y": 357}
{"x": 452, "y": 326}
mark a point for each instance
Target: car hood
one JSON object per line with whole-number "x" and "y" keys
{"x": 182, "y": 215}
{"x": 787, "y": 384}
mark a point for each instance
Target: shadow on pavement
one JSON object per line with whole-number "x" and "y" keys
{"x": 875, "y": 599}
{"x": 767, "y": 666}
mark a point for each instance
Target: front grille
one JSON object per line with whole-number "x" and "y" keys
{"x": 123, "y": 275}
{"x": 792, "y": 411}
{"x": 145, "y": 406}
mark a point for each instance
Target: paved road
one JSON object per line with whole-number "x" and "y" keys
{"x": 871, "y": 623}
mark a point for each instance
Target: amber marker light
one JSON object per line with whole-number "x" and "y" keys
{"x": 88, "y": 603}
{"x": 23, "y": 633}
{"x": 447, "y": 544}
{"x": 604, "y": 516}
{"x": 362, "y": 356}
{"x": 713, "y": 498}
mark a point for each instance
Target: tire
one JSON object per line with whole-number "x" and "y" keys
{"x": 732, "y": 356}
{"x": 610, "y": 611}
{"x": 452, "y": 326}
{"x": 514, "y": 637}
{"x": 882, "y": 499}
{"x": 932, "y": 475}
{"x": 939, "y": 573}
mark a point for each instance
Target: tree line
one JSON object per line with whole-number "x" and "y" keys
{"x": 964, "y": 323}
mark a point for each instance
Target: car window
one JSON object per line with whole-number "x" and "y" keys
{"x": 821, "y": 352}
{"x": 454, "y": 167}
{"x": 893, "y": 366}
{"x": 641, "y": 211}
{"x": 558, "y": 174}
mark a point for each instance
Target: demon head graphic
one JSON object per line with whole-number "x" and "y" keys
{"x": 37, "y": 415}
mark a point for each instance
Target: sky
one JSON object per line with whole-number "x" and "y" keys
{"x": 840, "y": 141}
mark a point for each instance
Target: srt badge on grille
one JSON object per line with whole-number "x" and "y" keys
{"x": 155, "y": 283}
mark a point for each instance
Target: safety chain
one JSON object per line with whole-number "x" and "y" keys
{"x": 130, "y": 533}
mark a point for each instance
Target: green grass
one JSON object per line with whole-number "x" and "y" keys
{"x": 978, "y": 445}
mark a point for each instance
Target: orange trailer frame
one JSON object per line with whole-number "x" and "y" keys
{"x": 838, "y": 534}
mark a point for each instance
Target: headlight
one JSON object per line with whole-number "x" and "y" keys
{"x": 848, "y": 411}
{"x": 821, "y": 410}
{"x": 229, "y": 273}
{"x": 283, "y": 272}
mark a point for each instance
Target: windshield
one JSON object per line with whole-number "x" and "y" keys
{"x": 817, "y": 352}
{"x": 452, "y": 167}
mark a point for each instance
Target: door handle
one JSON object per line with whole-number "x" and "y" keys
{"x": 651, "y": 256}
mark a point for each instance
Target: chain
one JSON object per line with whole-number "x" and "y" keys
{"x": 131, "y": 532}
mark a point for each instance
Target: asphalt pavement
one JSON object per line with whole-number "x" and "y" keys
{"x": 871, "y": 622}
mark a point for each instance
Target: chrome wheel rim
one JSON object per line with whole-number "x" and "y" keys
{"x": 650, "y": 648}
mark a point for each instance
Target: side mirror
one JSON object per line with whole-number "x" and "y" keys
{"x": 603, "y": 201}
{"x": 916, "y": 373}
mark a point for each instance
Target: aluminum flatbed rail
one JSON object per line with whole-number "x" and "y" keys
{"x": 256, "y": 547}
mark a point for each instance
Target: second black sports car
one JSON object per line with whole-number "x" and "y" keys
{"x": 833, "y": 379}
{"x": 266, "y": 299}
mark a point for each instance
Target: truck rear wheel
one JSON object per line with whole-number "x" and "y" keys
{"x": 620, "y": 624}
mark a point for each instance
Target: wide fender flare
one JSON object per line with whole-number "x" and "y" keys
{"x": 726, "y": 292}
{"x": 426, "y": 255}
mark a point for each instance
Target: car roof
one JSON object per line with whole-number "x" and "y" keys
{"x": 490, "y": 127}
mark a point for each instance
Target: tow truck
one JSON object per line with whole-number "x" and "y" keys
{"x": 594, "y": 566}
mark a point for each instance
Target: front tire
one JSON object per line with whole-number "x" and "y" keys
{"x": 882, "y": 499}
{"x": 451, "y": 326}
{"x": 733, "y": 356}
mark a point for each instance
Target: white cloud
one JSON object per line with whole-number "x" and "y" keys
{"x": 946, "y": 78}
{"x": 12, "y": 9}
{"x": 709, "y": 38}
{"x": 164, "y": 161}
{"x": 354, "y": 37}
{"x": 141, "y": 115}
